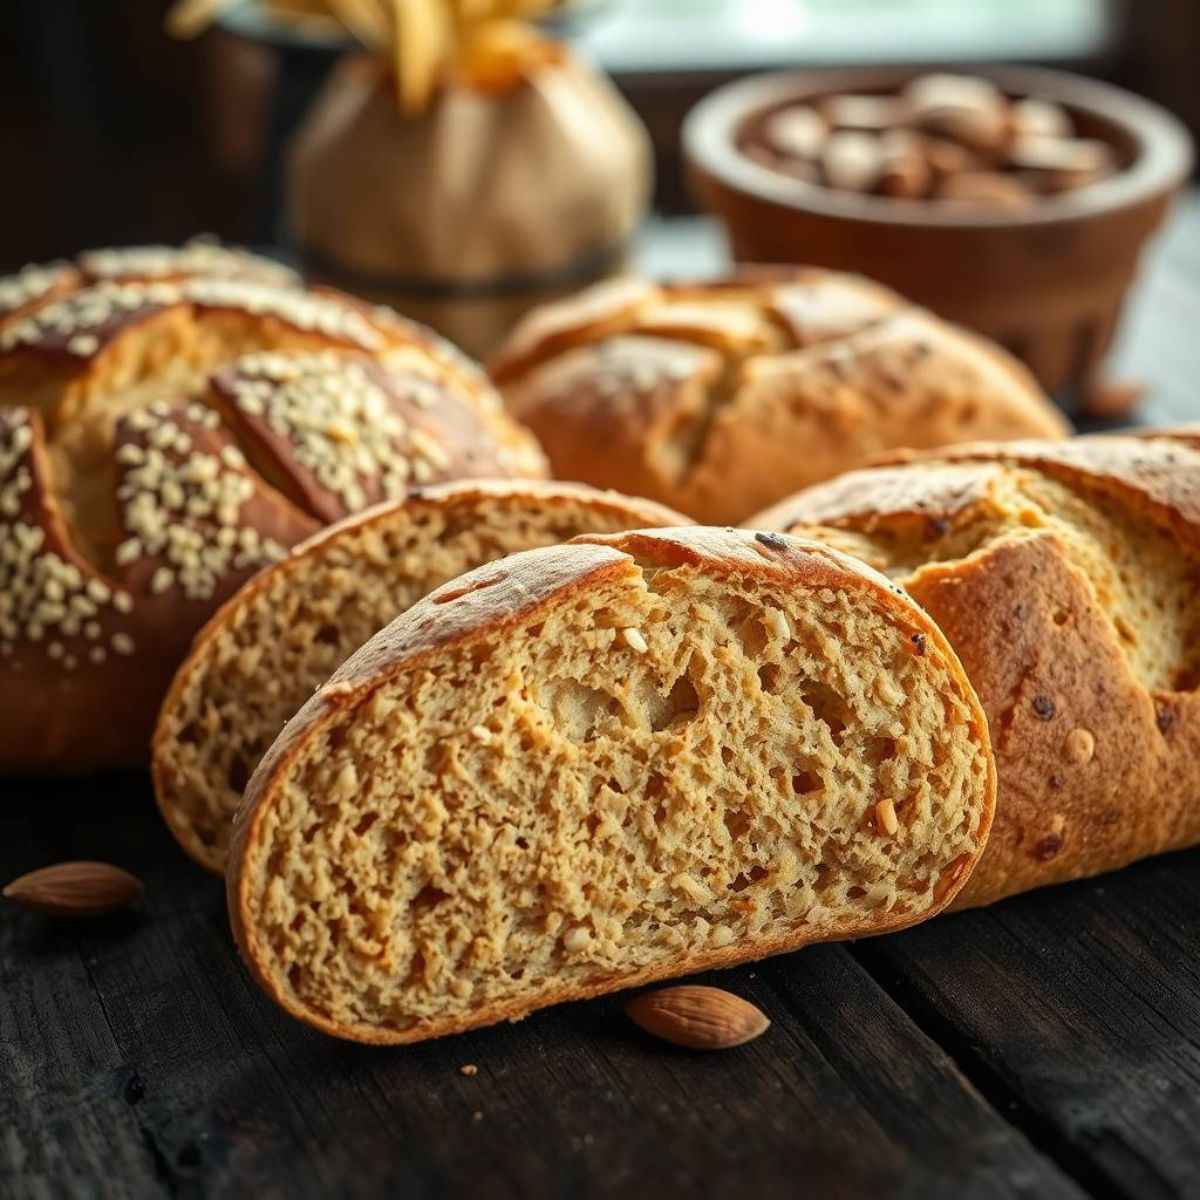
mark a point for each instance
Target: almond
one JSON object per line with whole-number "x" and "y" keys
{"x": 76, "y": 889}
{"x": 700, "y": 1018}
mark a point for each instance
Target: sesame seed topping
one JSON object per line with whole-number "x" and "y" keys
{"x": 122, "y": 643}
{"x": 44, "y": 599}
{"x": 95, "y": 312}
{"x": 343, "y": 419}
{"x": 481, "y": 733}
{"x": 200, "y": 256}
{"x": 29, "y": 284}
{"x": 181, "y": 504}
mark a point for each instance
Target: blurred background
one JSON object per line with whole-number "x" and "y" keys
{"x": 115, "y": 133}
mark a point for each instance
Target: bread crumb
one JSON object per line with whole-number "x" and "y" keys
{"x": 575, "y": 940}
{"x": 468, "y": 1069}
{"x": 885, "y": 817}
{"x": 634, "y": 640}
{"x": 777, "y": 623}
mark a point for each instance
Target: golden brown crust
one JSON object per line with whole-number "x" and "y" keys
{"x": 487, "y": 600}
{"x": 118, "y": 476}
{"x": 719, "y": 398}
{"x": 1097, "y": 769}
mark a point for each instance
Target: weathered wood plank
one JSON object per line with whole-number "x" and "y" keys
{"x": 1083, "y": 1004}
{"x": 844, "y": 1096}
{"x": 66, "y": 1110}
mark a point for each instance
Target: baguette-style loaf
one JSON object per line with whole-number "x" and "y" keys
{"x": 721, "y": 398}
{"x": 282, "y": 635}
{"x": 1067, "y": 577}
{"x": 589, "y": 766}
{"x": 170, "y": 422}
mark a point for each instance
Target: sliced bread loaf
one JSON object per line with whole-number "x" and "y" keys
{"x": 1065, "y": 575}
{"x": 593, "y": 765}
{"x": 274, "y": 642}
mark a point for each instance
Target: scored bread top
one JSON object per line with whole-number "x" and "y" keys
{"x": 717, "y": 398}
{"x": 1065, "y": 575}
{"x": 136, "y": 494}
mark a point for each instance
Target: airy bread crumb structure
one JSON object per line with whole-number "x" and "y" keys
{"x": 701, "y": 793}
{"x": 279, "y": 638}
{"x": 1065, "y": 575}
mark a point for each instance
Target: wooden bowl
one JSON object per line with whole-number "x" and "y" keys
{"x": 1047, "y": 283}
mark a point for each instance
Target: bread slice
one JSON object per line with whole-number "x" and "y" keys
{"x": 269, "y": 648}
{"x": 589, "y": 766}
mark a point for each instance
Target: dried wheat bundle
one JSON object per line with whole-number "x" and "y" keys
{"x": 426, "y": 42}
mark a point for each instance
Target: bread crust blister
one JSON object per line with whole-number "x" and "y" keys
{"x": 589, "y": 766}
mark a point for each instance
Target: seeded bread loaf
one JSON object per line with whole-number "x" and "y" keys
{"x": 585, "y": 767}
{"x": 721, "y": 398}
{"x": 1067, "y": 577}
{"x": 170, "y": 421}
{"x": 282, "y": 635}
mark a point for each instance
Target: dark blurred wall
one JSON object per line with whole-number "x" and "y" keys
{"x": 109, "y": 130}
{"x": 113, "y": 133}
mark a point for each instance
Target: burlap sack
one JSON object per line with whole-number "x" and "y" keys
{"x": 474, "y": 211}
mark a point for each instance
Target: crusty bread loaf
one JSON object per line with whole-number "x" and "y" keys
{"x": 588, "y": 766}
{"x": 721, "y": 398}
{"x": 282, "y": 635}
{"x": 170, "y": 421}
{"x": 1066, "y": 576}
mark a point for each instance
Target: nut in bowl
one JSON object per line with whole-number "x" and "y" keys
{"x": 1015, "y": 201}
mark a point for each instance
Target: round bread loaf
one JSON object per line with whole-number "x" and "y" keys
{"x": 1065, "y": 574}
{"x": 282, "y": 635}
{"x": 721, "y": 398}
{"x": 589, "y": 766}
{"x": 171, "y": 421}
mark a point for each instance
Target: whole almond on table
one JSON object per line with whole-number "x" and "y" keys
{"x": 76, "y": 889}
{"x": 698, "y": 1018}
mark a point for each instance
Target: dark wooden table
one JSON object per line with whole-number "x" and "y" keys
{"x": 1047, "y": 1047}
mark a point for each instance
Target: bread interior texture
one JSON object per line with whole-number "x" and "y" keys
{"x": 306, "y": 617}
{"x": 660, "y": 773}
{"x": 1143, "y": 578}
